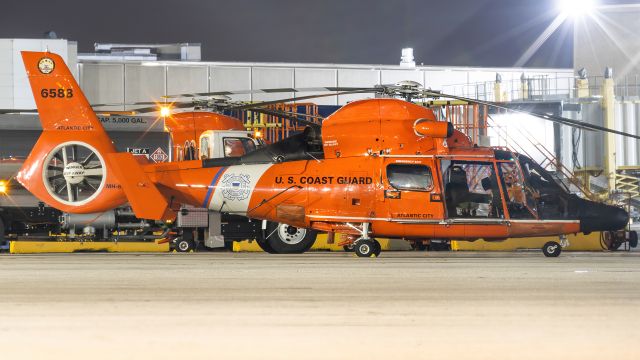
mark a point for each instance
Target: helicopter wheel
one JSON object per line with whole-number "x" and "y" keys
{"x": 378, "y": 248}
{"x": 367, "y": 248}
{"x": 551, "y": 249}
{"x": 185, "y": 245}
{"x": 265, "y": 246}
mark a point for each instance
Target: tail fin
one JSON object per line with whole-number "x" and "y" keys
{"x": 61, "y": 104}
{"x": 68, "y": 167}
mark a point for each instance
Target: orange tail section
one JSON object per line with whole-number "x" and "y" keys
{"x": 68, "y": 167}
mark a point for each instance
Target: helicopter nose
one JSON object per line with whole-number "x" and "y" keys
{"x": 602, "y": 217}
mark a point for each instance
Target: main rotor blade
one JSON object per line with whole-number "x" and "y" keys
{"x": 127, "y": 104}
{"x": 285, "y": 115}
{"x": 15, "y": 111}
{"x": 152, "y": 106}
{"x": 155, "y": 107}
{"x": 553, "y": 118}
{"x": 265, "y": 91}
{"x": 281, "y": 101}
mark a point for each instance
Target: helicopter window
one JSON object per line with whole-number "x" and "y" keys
{"x": 471, "y": 190}
{"x": 190, "y": 150}
{"x": 410, "y": 177}
{"x": 550, "y": 194}
{"x": 234, "y": 147}
{"x": 519, "y": 198}
{"x": 539, "y": 176}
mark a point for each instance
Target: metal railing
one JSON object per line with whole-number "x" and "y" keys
{"x": 543, "y": 87}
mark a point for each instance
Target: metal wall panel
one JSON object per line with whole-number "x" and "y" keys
{"x": 390, "y": 77}
{"x": 630, "y": 125}
{"x": 271, "y": 78}
{"x": 481, "y": 76}
{"x": 619, "y": 119}
{"x": 306, "y": 78}
{"x": 636, "y": 144}
{"x": 6, "y": 74}
{"x": 143, "y": 83}
{"x": 592, "y": 142}
{"x": 453, "y": 82}
{"x": 231, "y": 78}
{"x": 357, "y": 78}
{"x": 103, "y": 84}
{"x": 185, "y": 79}
{"x": 72, "y": 59}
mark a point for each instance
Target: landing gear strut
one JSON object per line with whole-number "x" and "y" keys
{"x": 365, "y": 246}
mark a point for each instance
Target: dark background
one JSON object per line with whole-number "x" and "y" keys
{"x": 453, "y": 32}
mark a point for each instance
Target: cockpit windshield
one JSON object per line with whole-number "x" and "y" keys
{"x": 549, "y": 193}
{"x": 539, "y": 176}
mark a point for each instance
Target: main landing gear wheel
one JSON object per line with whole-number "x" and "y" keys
{"x": 368, "y": 248}
{"x": 264, "y": 245}
{"x": 551, "y": 249}
{"x": 287, "y": 239}
{"x": 185, "y": 245}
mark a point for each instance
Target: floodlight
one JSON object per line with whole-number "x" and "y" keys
{"x": 4, "y": 187}
{"x": 576, "y": 8}
{"x": 165, "y": 111}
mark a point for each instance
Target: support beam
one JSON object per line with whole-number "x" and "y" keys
{"x": 608, "y": 108}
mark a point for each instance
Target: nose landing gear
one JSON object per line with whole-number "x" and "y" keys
{"x": 553, "y": 248}
{"x": 367, "y": 248}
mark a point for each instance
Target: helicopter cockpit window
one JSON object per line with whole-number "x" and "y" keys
{"x": 234, "y": 147}
{"x": 519, "y": 198}
{"x": 471, "y": 190}
{"x": 410, "y": 177}
{"x": 549, "y": 193}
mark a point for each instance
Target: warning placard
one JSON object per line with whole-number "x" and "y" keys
{"x": 159, "y": 156}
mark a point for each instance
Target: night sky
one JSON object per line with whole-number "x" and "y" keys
{"x": 450, "y": 32}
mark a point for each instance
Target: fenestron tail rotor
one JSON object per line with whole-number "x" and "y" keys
{"x": 74, "y": 173}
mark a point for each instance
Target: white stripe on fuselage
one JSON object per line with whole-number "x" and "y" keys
{"x": 235, "y": 188}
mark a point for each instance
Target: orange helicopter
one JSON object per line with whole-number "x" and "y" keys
{"x": 380, "y": 167}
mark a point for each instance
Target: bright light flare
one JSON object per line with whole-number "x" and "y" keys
{"x": 576, "y": 8}
{"x": 165, "y": 111}
{"x": 4, "y": 187}
{"x": 257, "y": 134}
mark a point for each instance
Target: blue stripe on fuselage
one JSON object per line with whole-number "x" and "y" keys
{"x": 212, "y": 186}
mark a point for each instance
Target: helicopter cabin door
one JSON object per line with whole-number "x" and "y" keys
{"x": 412, "y": 196}
{"x": 473, "y": 201}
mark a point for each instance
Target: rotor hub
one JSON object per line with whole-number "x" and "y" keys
{"x": 74, "y": 173}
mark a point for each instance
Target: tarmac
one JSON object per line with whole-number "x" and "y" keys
{"x": 403, "y": 305}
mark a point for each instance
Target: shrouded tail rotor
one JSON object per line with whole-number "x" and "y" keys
{"x": 74, "y": 173}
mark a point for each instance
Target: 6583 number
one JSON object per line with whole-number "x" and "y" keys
{"x": 56, "y": 93}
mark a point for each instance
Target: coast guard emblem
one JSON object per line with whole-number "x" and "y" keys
{"x": 235, "y": 186}
{"x": 46, "y": 65}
